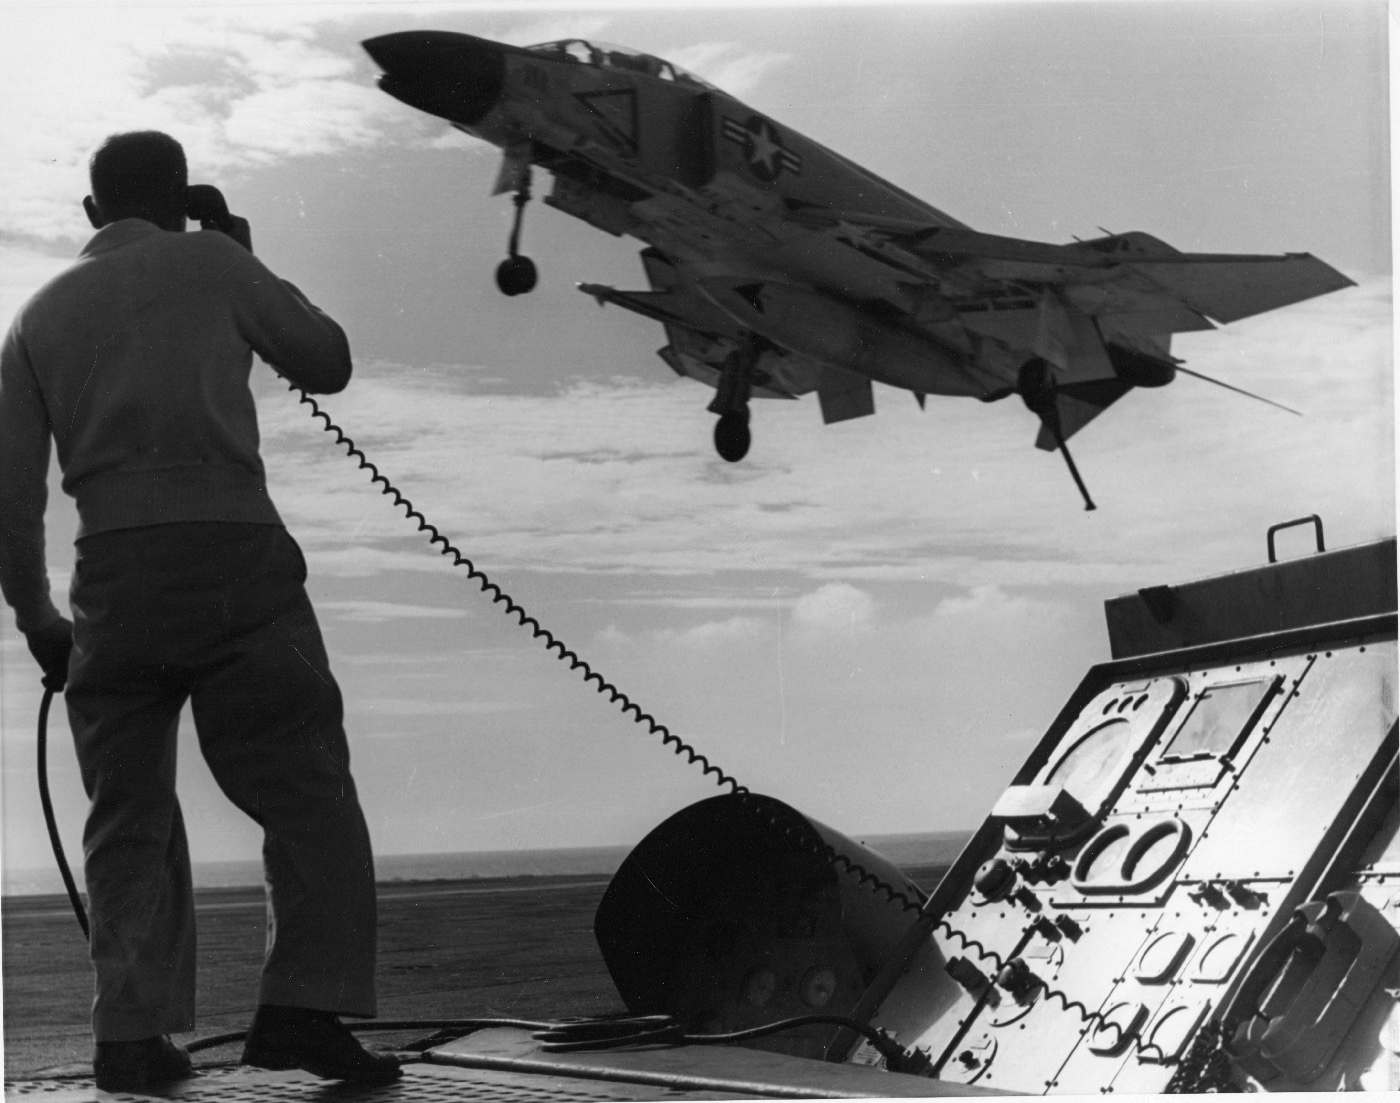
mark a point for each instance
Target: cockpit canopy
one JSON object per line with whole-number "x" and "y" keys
{"x": 603, "y": 55}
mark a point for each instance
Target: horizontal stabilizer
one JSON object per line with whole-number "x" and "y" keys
{"x": 844, "y": 395}
{"x": 1079, "y": 404}
{"x": 1230, "y": 288}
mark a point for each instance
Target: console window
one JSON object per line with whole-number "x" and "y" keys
{"x": 1219, "y": 720}
{"x": 1094, "y": 761}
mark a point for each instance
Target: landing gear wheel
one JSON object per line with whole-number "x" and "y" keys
{"x": 516, "y": 275}
{"x": 732, "y": 436}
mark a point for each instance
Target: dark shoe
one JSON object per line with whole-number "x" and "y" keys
{"x": 317, "y": 1041}
{"x": 131, "y": 1066}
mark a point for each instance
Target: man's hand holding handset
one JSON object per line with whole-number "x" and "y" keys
{"x": 205, "y": 204}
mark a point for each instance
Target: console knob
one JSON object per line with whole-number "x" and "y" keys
{"x": 994, "y": 878}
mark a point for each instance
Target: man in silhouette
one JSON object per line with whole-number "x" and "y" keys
{"x": 135, "y": 362}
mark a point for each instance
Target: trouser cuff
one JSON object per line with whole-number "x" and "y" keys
{"x": 358, "y": 1003}
{"x": 133, "y": 1026}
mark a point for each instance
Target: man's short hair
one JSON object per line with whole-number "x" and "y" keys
{"x": 143, "y": 169}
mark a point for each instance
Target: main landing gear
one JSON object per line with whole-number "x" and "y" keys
{"x": 516, "y": 274}
{"x": 732, "y": 436}
{"x": 1036, "y": 385}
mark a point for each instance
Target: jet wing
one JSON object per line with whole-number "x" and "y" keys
{"x": 1155, "y": 287}
{"x": 1229, "y": 288}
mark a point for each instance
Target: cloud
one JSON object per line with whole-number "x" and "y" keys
{"x": 376, "y": 612}
{"x": 23, "y": 271}
{"x": 390, "y": 659}
{"x": 734, "y": 631}
{"x": 681, "y": 601}
{"x": 417, "y": 706}
{"x": 727, "y": 65}
{"x": 452, "y": 138}
{"x": 555, "y": 27}
{"x": 240, "y": 87}
{"x": 716, "y": 633}
{"x": 979, "y": 602}
{"x": 243, "y": 87}
{"x": 837, "y": 607}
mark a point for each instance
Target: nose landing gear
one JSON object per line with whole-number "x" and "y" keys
{"x": 732, "y": 436}
{"x": 516, "y": 275}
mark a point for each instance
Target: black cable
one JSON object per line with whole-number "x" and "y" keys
{"x": 615, "y": 1032}
{"x": 664, "y": 1030}
{"x": 50, "y": 822}
{"x": 376, "y": 1025}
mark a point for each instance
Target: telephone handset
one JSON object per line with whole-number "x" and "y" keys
{"x": 1305, "y": 989}
{"x": 206, "y": 205}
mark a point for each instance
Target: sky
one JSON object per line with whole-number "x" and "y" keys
{"x": 873, "y": 621}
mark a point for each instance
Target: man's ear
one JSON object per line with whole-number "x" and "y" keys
{"x": 94, "y": 215}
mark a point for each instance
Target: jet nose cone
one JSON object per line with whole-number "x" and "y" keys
{"x": 455, "y": 76}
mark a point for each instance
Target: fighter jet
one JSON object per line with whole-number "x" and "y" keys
{"x": 779, "y": 267}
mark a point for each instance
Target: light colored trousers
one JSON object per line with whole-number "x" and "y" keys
{"x": 216, "y": 613}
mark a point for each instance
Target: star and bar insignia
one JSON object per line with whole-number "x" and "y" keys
{"x": 763, "y": 147}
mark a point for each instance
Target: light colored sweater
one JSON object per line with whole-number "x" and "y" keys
{"x": 135, "y": 361}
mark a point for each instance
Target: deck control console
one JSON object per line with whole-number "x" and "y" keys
{"x": 1195, "y": 877}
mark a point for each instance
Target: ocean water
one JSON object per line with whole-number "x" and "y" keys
{"x": 930, "y": 848}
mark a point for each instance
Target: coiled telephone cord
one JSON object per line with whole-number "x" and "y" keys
{"x": 512, "y": 608}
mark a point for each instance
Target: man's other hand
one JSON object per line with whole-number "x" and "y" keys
{"x": 51, "y": 647}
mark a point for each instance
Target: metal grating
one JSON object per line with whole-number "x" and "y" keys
{"x": 420, "y": 1083}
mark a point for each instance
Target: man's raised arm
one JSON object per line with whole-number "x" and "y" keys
{"x": 298, "y": 339}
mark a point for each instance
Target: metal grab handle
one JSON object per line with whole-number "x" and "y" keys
{"x": 1317, "y": 524}
{"x": 1272, "y": 958}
